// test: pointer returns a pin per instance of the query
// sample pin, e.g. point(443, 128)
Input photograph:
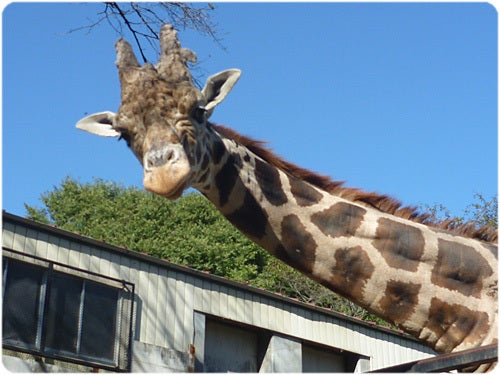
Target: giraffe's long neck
point(436, 286)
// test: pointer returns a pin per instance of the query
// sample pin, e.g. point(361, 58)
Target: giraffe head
point(163, 116)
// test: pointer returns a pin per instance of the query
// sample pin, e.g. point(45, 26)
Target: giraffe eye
point(125, 136)
point(199, 114)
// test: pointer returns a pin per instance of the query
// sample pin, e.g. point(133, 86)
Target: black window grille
point(62, 312)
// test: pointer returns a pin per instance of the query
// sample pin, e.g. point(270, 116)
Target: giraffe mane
point(381, 202)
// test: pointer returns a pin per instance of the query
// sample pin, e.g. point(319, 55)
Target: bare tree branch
point(142, 20)
point(134, 32)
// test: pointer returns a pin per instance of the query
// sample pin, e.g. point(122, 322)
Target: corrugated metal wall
point(166, 297)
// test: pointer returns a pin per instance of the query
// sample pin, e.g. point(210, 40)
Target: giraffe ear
point(99, 124)
point(218, 86)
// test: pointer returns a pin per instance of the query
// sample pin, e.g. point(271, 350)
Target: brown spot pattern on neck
point(401, 245)
point(298, 244)
point(351, 272)
point(461, 268)
point(455, 324)
point(341, 219)
point(269, 182)
point(400, 300)
point(380, 202)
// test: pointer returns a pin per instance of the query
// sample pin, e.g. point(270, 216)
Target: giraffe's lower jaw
point(167, 183)
point(177, 193)
point(169, 194)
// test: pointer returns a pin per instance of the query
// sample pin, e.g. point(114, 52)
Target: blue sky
point(398, 98)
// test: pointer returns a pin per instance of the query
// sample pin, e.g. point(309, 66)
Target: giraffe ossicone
point(436, 281)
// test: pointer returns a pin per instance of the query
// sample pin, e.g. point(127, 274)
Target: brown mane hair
point(380, 202)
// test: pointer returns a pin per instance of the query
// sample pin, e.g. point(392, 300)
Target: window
point(20, 313)
point(233, 347)
point(52, 312)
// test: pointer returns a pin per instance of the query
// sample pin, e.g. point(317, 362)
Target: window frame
point(124, 317)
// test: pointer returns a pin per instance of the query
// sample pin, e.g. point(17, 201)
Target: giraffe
point(435, 281)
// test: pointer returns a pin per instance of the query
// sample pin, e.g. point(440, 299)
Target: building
point(72, 303)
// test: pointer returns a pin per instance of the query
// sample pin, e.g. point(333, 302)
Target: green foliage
point(482, 212)
point(188, 231)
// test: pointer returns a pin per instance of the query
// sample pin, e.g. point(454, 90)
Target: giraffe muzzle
point(159, 157)
point(166, 171)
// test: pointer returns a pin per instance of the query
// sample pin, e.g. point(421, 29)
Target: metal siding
point(19, 238)
point(171, 319)
point(63, 251)
point(105, 263)
point(115, 269)
point(74, 255)
point(84, 259)
point(124, 268)
point(188, 323)
point(223, 302)
point(323, 328)
point(95, 259)
point(241, 307)
point(179, 311)
point(206, 295)
point(152, 298)
point(162, 309)
point(146, 279)
point(8, 230)
point(42, 244)
point(298, 325)
point(273, 318)
point(53, 247)
point(249, 307)
point(352, 340)
point(311, 333)
point(287, 318)
point(397, 352)
point(30, 242)
point(364, 344)
point(198, 295)
point(231, 303)
point(381, 350)
point(408, 353)
point(214, 307)
point(264, 314)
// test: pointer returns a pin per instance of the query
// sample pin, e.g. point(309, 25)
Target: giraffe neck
point(436, 286)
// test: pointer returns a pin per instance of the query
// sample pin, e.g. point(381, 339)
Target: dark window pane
point(62, 318)
point(99, 321)
point(21, 303)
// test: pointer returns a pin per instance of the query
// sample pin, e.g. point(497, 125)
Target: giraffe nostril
point(169, 155)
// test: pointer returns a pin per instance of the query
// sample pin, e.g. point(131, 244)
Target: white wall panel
point(53, 247)
point(19, 238)
point(187, 318)
point(30, 244)
point(179, 311)
point(74, 254)
point(8, 230)
point(42, 245)
point(63, 251)
point(162, 309)
point(171, 318)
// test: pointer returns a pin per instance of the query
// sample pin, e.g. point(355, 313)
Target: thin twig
point(141, 20)
point(129, 26)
